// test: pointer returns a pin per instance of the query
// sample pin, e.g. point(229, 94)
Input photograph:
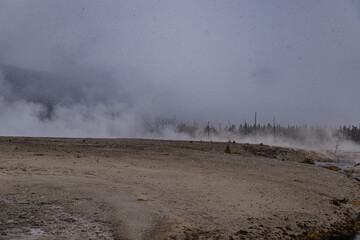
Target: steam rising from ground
point(76, 105)
point(41, 104)
point(111, 68)
point(36, 103)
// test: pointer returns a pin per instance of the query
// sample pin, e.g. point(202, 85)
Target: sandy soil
point(148, 189)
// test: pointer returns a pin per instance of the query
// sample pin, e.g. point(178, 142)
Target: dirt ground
point(150, 189)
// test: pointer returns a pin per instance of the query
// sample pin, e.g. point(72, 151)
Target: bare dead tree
point(208, 128)
point(255, 127)
point(274, 129)
point(336, 147)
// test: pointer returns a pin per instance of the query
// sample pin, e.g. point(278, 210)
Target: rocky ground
point(148, 189)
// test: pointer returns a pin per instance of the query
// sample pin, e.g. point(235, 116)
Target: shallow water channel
point(345, 164)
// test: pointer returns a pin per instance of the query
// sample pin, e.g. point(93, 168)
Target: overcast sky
point(198, 60)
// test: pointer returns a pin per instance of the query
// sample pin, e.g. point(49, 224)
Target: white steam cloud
point(40, 104)
point(111, 68)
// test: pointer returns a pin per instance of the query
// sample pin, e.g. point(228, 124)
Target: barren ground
point(147, 189)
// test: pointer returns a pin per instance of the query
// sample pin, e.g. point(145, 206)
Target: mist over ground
point(114, 68)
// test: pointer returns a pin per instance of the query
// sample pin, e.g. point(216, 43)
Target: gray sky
point(196, 60)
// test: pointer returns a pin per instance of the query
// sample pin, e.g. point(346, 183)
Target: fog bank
point(111, 68)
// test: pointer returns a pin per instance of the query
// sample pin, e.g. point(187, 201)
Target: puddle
point(357, 237)
point(35, 231)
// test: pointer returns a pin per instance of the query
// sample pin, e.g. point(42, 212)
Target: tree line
point(298, 133)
